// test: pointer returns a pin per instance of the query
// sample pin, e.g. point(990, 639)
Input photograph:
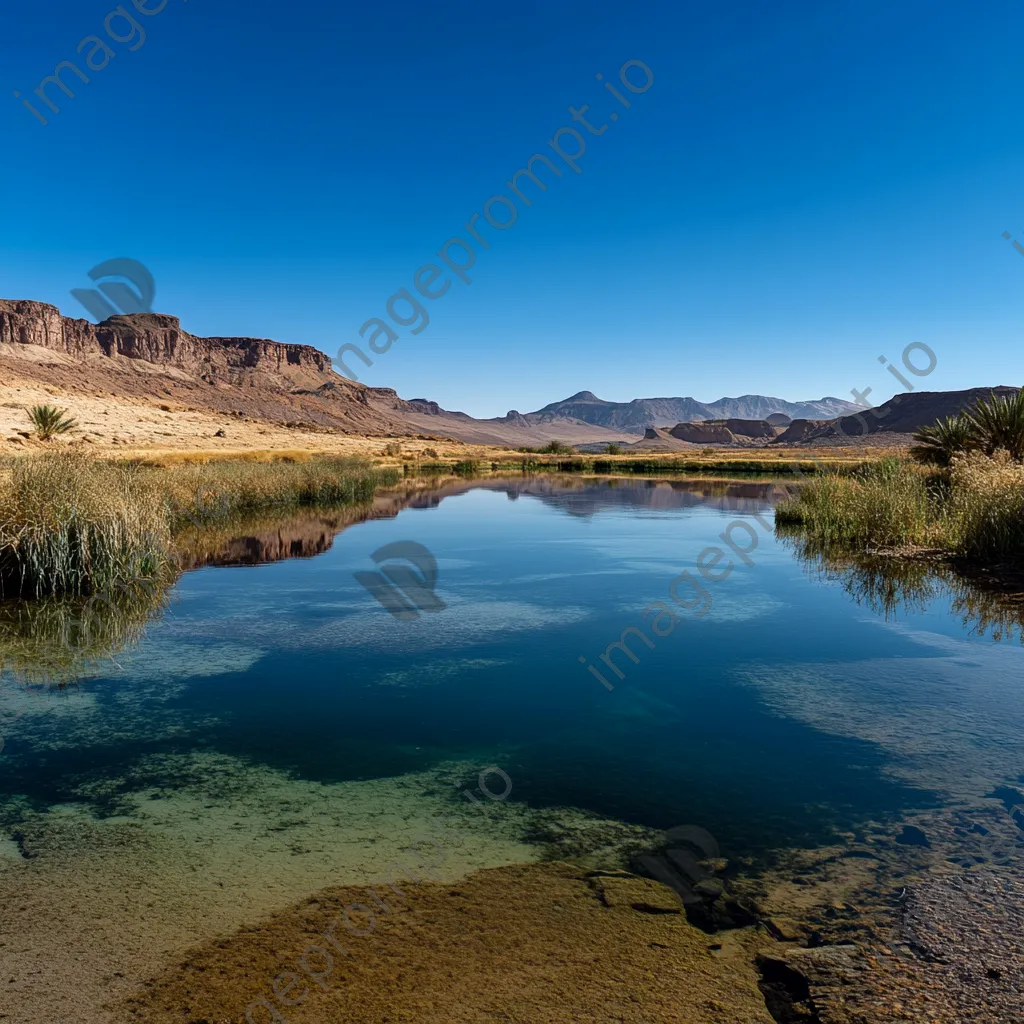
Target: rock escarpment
point(158, 339)
point(148, 357)
point(703, 433)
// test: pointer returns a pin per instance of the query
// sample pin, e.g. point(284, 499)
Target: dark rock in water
point(721, 914)
point(912, 836)
point(787, 994)
point(807, 986)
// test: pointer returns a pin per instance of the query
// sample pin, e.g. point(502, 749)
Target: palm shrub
point(997, 424)
point(945, 439)
point(48, 420)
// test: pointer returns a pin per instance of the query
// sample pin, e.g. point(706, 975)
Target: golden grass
point(986, 505)
point(71, 524)
point(975, 510)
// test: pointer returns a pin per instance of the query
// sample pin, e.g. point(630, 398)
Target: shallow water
point(775, 707)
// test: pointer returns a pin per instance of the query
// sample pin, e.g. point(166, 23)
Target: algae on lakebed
point(541, 943)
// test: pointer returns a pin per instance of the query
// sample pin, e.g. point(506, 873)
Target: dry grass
point(71, 524)
point(986, 505)
point(975, 510)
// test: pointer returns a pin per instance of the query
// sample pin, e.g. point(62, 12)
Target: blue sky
point(803, 188)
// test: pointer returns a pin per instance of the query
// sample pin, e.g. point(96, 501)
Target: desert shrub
point(614, 449)
point(430, 453)
point(555, 448)
point(986, 505)
point(48, 421)
point(393, 448)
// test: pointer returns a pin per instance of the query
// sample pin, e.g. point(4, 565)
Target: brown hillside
point(147, 359)
point(903, 414)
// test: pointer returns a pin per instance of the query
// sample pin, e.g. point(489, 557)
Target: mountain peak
point(583, 396)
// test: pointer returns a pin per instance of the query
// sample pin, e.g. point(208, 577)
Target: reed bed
point(986, 506)
point(975, 509)
point(71, 524)
point(209, 493)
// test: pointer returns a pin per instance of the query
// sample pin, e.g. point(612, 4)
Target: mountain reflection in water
point(57, 641)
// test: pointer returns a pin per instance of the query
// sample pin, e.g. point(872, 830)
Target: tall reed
point(73, 525)
point(973, 510)
point(70, 524)
point(883, 504)
point(986, 506)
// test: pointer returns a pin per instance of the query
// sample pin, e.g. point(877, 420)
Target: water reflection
point(60, 640)
point(57, 641)
point(889, 584)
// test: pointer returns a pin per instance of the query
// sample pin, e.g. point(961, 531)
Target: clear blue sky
point(804, 187)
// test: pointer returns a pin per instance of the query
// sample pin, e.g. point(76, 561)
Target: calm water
point(793, 706)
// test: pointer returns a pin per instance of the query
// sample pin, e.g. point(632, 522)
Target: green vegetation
point(940, 443)
point(48, 420)
point(551, 448)
point(614, 449)
point(994, 424)
point(975, 509)
point(68, 525)
point(71, 525)
point(998, 423)
point(214, 492)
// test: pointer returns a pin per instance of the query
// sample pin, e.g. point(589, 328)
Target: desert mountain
point(147, 359)
point(634, 417)
point(902, 414)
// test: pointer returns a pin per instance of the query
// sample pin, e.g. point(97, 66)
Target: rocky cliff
point(158, 339)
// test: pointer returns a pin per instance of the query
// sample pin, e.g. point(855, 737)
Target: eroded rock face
point(801, 430)
point(157, 338)
point(703, 433)
point(751, 428)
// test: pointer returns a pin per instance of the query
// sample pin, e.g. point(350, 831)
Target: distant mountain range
point(147, 358)
point(636, 416)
